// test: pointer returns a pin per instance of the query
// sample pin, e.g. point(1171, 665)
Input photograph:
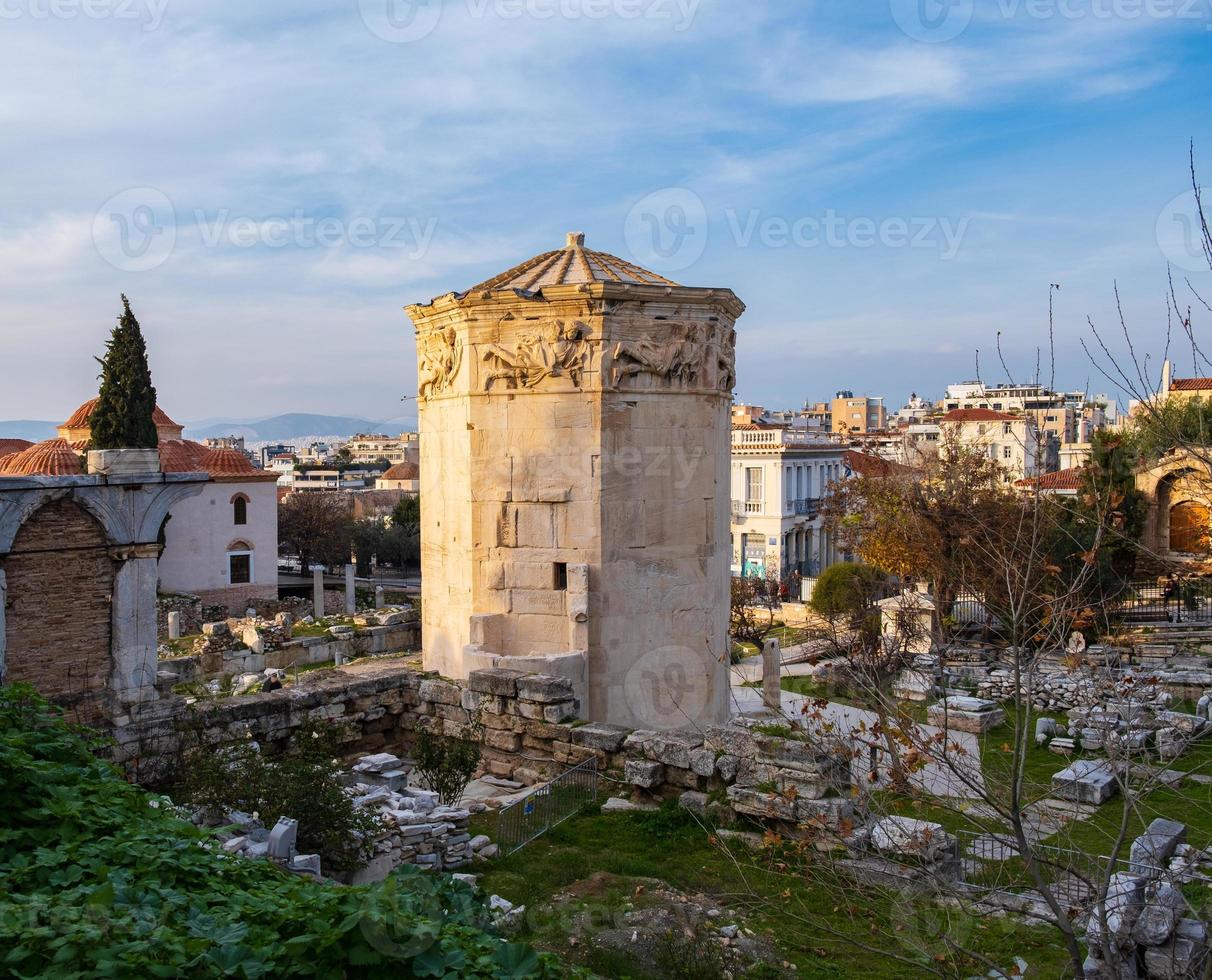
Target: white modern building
point(779, 478)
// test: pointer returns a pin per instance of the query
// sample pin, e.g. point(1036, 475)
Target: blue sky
point(887, 185)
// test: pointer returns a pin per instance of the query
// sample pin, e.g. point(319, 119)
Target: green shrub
point(301, 782)
point(847, 589)
point(447, 762)
point(103, 879)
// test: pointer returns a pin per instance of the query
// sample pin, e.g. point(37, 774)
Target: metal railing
point(1185, 600)
point(532, 816)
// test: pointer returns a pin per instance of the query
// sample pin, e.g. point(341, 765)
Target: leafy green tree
point(848, 589)
point(1101, 528)
point(123, 418)
point(1172, 423)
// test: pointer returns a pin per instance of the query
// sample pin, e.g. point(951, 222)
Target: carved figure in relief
point(438, 362)
point(679, 359)
point(558, 349)
point(725, 360)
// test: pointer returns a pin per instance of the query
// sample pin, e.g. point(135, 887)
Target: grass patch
point(796, 913)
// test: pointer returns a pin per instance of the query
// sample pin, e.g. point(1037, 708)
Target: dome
point(78, 426)
point(55, 457)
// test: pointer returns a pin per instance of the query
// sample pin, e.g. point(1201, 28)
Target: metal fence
point(1186, 600)
point(532, 816)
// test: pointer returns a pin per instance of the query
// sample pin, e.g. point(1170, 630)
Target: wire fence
point(532, 816)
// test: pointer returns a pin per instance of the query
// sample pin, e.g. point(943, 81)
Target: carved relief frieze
point(556, 349)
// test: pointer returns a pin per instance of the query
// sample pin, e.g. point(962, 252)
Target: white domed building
point(221, 545)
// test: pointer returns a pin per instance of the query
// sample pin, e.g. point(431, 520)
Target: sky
point(890, 186)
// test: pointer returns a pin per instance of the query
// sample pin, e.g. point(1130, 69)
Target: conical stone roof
point(572, 265)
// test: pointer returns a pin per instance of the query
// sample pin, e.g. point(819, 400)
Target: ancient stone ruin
point(574, 442)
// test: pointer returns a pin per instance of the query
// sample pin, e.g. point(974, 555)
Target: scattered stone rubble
point(415, 827)
point(1146, 929)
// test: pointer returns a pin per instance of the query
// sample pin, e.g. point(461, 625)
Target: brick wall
point(60, 580)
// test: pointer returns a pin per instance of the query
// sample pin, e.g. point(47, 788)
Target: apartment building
point(1015, 442)
point(779, 477)
point(857, 414)
point(369, 447)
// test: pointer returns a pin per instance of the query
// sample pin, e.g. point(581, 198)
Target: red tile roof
point(1067, 479)
point(1190, 384)
point(864, 464)
point(80, 417)
point(55, 457)
point(403, 471)
point(10, 446)
point(978, 415)
point(182, 456)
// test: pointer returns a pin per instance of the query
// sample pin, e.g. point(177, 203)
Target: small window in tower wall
point(561, 576)
point(239, 510)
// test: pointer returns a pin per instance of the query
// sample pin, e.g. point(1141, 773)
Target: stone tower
point(575, 483)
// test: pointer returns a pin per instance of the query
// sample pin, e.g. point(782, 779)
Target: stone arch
point(58, 615)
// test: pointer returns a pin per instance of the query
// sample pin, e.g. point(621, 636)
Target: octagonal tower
point(574, 419)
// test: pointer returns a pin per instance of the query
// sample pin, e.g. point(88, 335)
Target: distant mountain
point(31, 429)
point(294, 425)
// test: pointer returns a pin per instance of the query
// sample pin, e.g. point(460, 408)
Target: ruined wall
point(529, 735)
point(60, 579)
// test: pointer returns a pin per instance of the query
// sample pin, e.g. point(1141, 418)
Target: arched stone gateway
point(78, 556)
point(60, 580)
point(1178, 525)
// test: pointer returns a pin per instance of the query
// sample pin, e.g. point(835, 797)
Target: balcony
point(742, 507)
point(807, 507)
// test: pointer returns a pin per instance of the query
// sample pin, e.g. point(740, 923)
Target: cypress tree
point(123, 418)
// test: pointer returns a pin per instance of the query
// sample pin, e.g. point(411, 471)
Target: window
point(239, 508)
point(753, 484)
point(1005, 428)
point(1006, 452)
point(239, 569)
point(560, 576)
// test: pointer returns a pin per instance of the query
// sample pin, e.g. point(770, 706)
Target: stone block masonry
point(530, 734)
